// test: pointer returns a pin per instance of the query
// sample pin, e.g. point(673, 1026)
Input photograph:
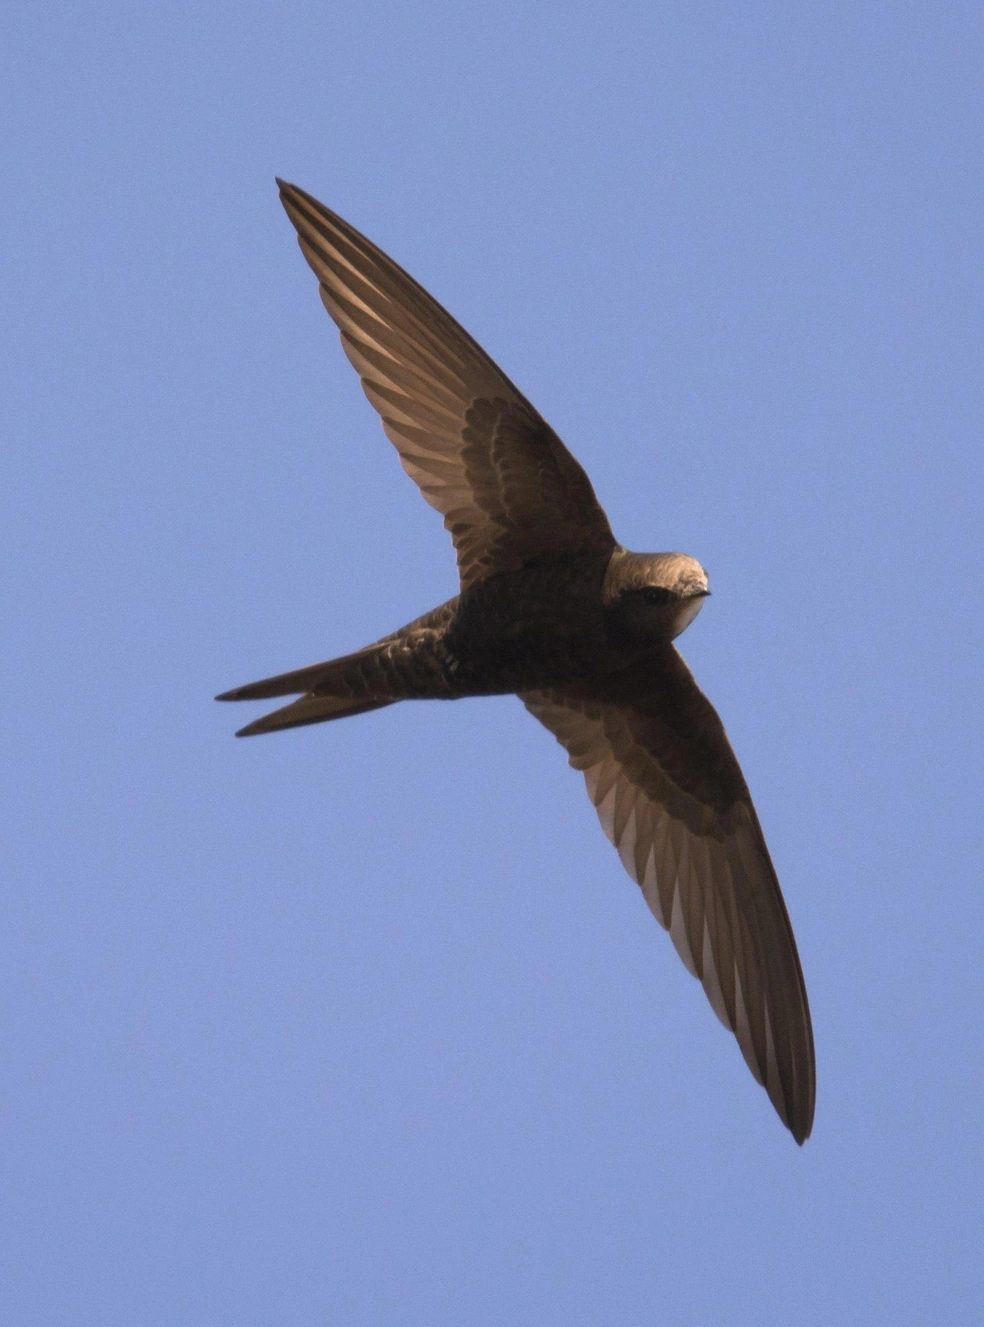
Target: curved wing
point(509, 490)
point(671, 797)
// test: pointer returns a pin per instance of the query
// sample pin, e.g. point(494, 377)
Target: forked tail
point(405, 665)
point(335, 689)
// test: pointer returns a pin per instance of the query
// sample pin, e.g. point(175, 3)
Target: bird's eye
point(655, 594)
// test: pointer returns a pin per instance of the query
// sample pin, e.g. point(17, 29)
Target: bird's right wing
point(671, 797)
point(509, 490)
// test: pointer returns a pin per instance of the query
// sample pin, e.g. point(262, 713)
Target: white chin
point(687, 614)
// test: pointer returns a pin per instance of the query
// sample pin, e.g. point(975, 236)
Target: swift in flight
point(553, 608)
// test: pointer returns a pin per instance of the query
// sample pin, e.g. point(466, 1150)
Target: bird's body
point(559, 623)
point(553, 609)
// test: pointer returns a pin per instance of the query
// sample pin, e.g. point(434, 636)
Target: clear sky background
point(364, 1023)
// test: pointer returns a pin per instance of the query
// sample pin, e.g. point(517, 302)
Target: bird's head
point(652, 597)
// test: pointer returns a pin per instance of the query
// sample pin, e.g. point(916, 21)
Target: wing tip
point(795, 1103)
point(801, 1128)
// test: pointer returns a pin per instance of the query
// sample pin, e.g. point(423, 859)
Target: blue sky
point(364, 1023)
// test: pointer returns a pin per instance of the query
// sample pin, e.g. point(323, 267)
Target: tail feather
point(397, 667)
point(352, 684)
point(309, 709)
point(315, 677)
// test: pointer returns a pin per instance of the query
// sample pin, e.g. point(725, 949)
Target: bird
point(551, 607)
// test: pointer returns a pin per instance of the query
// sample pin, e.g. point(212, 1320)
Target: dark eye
point(654, 594)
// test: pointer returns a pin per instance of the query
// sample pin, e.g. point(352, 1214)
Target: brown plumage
point(554, 609)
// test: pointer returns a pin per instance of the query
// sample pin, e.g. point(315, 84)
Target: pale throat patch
point(687, 614)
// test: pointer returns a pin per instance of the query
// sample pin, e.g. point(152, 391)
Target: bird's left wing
point(671, 797)
point(509, 490)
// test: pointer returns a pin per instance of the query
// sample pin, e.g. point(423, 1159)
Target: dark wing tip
point(795, 1097)
point(800, 1124)
point(800, 1101)
point(292, 193)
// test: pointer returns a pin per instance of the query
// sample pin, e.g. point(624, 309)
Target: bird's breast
point(537, 627)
